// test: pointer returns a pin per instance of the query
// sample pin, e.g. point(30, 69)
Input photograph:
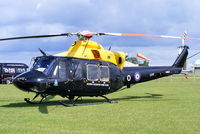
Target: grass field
point(158, 107)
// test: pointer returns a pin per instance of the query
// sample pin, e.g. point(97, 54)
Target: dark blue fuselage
point(67, 76)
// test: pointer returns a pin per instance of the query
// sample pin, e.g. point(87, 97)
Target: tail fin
point(180, 61)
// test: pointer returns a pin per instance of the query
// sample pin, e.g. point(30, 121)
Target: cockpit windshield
point(43, 64)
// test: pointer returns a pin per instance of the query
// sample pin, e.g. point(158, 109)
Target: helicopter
point(87, 69)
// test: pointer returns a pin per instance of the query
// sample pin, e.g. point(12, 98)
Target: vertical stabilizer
point(180, 61)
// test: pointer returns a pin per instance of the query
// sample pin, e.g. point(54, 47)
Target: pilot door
point(69, 75)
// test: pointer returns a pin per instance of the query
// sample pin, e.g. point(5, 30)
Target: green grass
point(163, 106)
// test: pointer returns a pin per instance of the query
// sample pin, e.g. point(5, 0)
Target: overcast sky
point(165, 17)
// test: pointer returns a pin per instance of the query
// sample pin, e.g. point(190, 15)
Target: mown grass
point(162, 106)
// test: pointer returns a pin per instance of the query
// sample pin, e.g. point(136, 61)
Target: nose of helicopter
point(31, 81)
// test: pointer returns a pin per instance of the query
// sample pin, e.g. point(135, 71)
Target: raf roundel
point(137, 76)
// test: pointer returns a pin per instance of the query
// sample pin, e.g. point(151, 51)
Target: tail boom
point(133, 75)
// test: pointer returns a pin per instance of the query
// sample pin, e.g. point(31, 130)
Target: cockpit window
point(42, 64)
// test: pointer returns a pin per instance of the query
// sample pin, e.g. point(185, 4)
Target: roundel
point(137, 76)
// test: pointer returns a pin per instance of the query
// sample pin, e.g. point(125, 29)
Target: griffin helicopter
point(87, 69)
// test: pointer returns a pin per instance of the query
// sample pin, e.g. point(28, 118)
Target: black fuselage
point(67, 76)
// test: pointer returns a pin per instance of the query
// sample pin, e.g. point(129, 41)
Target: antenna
point(44, 54)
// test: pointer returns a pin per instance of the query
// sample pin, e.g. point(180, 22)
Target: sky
point(159, 17)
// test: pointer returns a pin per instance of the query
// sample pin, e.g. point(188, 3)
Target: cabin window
point(95, 73)
point(104, 73)
point(92, 72)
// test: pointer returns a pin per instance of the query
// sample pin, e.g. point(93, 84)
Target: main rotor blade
point(90, 34)
point(37, 36)
point(149, 35)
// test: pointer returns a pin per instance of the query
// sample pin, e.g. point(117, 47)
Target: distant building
point(196, 66)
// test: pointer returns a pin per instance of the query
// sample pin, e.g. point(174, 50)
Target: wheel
point(8, 81)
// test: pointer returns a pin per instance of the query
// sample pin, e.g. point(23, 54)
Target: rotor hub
point(85, 35)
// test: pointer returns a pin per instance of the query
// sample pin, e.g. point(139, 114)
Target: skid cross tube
point(32, 101)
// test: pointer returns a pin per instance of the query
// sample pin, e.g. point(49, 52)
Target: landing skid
point(32, 101)
point(108, 101)
point(74, 101)
point(84, 104)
